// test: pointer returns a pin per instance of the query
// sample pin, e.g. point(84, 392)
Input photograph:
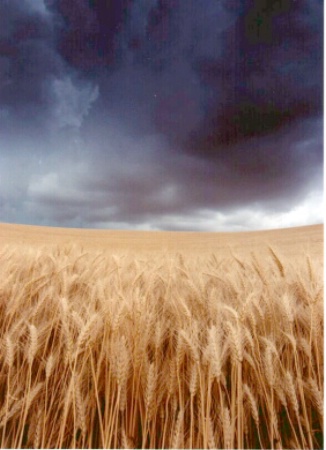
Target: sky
point(185, 115)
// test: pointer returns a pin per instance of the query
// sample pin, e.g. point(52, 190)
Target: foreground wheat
point(159, 352)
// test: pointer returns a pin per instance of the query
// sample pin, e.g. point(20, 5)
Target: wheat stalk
point(33, 344)
point(290, 390)
point(87, 331)
point(210, 434)
point(81, 412)
point(227, 429)
point(193, 382)
point(10, 351)
point(49, 366)
point(316, 396)
point(150, 390)
point(177, 434)
point(197, 352)
point(278, 262)
point(252, 403)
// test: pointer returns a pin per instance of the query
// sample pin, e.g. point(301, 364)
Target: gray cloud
point(154, 190)
point(153, 114)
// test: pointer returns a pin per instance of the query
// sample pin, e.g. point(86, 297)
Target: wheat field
point(103, 349)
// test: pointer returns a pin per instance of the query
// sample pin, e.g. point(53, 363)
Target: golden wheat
point(113, 351)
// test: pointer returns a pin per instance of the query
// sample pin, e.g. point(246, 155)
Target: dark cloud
point(27, 58)
point(145, 112)
point(258, 62)
point(270, 71)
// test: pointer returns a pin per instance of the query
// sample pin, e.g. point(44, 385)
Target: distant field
point(161, 340)
point(290, 241)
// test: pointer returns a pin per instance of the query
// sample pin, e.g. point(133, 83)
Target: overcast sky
point(161, 114)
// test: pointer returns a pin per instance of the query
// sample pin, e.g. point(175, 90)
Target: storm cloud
point(164, 114)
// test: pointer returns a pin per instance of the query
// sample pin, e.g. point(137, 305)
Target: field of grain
point(103, 348)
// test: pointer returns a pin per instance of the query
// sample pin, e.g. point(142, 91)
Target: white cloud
point(56, 189)
point(307, 212)
point(253, 217)
point(4, 113)
point(48, 183)
point(72, 103)
point(37, 6)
